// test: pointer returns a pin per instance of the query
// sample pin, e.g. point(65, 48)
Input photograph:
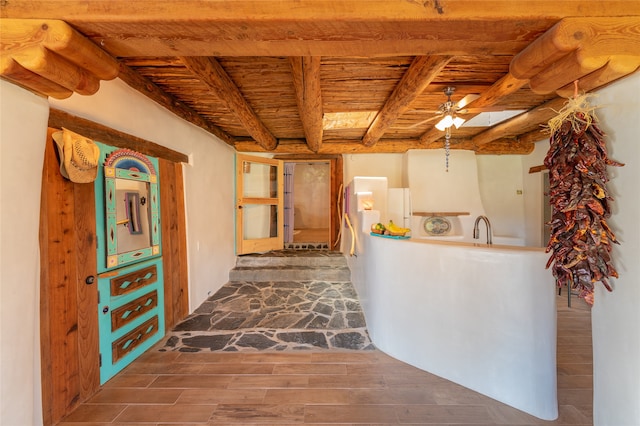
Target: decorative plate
point(437, 225)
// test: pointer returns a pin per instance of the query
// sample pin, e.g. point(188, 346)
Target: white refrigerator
point(399, 206)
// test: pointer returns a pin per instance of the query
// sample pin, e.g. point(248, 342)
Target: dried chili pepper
point(580, 238)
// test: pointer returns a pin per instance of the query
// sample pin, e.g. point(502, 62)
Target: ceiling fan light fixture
point(458, 121)
point(446, 122)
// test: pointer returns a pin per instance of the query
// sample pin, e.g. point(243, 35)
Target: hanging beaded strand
point(447, 136)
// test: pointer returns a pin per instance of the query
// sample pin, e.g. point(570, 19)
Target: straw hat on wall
point(79, 156)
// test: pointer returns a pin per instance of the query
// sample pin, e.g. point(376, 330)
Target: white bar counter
point(480, 316)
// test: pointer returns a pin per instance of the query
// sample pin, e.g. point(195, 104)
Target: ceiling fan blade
point(481, 110)
point(419, 123)
point(425, 111)
point(467, 100)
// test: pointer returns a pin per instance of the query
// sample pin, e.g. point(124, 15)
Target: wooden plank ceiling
point(261, 75)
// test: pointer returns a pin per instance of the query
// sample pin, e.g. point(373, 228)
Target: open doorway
point(307, 204)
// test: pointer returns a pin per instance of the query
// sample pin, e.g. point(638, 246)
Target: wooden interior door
point(259, 204)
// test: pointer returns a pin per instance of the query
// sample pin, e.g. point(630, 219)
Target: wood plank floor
point(325, 387)
point(311, 235)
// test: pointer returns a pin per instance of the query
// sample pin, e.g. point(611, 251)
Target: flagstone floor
point(274, 315)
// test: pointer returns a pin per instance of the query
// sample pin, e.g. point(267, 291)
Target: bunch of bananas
point(390, 229)
point(395, 229)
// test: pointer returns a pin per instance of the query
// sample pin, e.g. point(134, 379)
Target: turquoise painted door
point(130, 276)
point(130, 314)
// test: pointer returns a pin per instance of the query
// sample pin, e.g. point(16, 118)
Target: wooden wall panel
point(174, 242)
point(68, 306)
point(87, 289)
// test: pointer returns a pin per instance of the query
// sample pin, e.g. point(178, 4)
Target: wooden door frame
point(336, 165)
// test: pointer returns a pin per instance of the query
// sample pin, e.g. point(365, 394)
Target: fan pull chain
point(447, 136)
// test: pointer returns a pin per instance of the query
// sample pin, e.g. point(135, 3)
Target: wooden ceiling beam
point(156, 94)
point(313, 10)
point(533, 136)
point(420, 74)
point(313, 27)
point(210, 72)
point(503, 147)
point(576, 47)
point(306, 81)
point(51, 58)
point(509, 146)
point(613, 70)
point(507, 85)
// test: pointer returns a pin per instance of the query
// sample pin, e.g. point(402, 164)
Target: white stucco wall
point(378, 165)
point(500, 179)
point(23, 131)
point(208, 179)
point(616, 315)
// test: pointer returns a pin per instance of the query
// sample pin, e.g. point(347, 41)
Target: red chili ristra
point(581, 239)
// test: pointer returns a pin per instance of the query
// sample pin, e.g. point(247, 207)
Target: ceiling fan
point(448, 111)
point(448, 114)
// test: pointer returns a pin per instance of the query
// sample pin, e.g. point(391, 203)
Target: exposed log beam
point(156, 94)
point(216, 78)
point(503, 147)
point(313, 27)
point(397, 146)
point(577, 47)
point(534, 136)
point(515, 125)
point(315, 10)
point(306, 81)
point(49, 57)
point(420, 74)
point(431, 136)
point(507, 85)
point(612, 71)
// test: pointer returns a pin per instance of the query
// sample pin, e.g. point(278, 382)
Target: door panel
point(131, 314)
point(259, 204)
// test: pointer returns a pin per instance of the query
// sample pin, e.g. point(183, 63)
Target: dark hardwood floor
point(325, 387)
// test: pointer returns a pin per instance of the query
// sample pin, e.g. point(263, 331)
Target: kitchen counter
point(478, 315)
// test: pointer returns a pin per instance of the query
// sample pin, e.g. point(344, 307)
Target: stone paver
point(276, 315)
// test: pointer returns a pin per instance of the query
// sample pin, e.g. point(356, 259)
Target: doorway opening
point(307, 220)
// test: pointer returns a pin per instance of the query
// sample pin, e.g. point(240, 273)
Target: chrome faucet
point(476, 230)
